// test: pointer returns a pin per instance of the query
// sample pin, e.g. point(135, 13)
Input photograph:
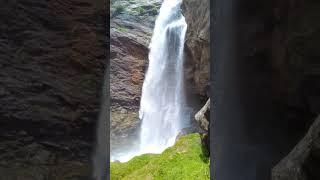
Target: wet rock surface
point(266, 100)
point(276, 81)
point(52, 57)
point(124, 128)
point(131, 32)
point(197, 64)
point(197, 68)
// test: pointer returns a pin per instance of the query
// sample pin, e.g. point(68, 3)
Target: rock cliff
point(197, 69)
point(197, 63)
point(52, 56)
point(277, 74)
point(279, 66)
point(275, 89)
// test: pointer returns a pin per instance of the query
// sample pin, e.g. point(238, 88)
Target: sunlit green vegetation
point(186, 160)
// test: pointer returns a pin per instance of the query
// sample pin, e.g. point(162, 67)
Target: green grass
point(185, 160)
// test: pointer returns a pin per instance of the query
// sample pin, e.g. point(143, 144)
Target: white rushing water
point(162, 101)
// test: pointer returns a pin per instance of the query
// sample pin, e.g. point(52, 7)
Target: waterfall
point(162, 100)
point(162, 106)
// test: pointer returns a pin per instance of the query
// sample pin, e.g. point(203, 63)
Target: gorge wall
point(197, 47)
point(197, 60)
point(278, 76)
point(52, 63)
point(274, 96)
point(279, 66)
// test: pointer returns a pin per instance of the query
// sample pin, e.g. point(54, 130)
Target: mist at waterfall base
point(163, 109)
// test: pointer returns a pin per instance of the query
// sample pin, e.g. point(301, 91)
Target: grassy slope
point(185, 160)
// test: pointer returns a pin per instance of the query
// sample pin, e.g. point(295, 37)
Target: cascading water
point(162, 106)
point(162, 100)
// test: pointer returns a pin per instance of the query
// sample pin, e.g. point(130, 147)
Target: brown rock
point(129, 57)
point(52, 57)
point(136, 77)
point(197, 15)
point(202, 117)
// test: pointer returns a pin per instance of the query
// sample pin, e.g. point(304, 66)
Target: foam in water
point(162, 106)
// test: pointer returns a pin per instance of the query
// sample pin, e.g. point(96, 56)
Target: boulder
point(302, 163)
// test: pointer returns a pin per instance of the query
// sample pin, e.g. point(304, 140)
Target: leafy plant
point(154, 10)
point(119, 8)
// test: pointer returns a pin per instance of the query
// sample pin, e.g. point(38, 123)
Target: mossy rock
point(187, 159)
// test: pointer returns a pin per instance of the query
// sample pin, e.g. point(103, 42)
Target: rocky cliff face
point(197, 65)
point(52, 56)
point(276, 82)
point(278, 67)
point(295, 60)
point(197, 72)
point(131, 31)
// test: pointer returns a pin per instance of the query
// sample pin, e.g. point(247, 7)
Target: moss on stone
point(140, 10)
point(122, 29)
point(185, 160)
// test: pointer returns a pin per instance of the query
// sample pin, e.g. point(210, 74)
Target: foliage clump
point(154, 11)
point(119, 8)
point(140, 10)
